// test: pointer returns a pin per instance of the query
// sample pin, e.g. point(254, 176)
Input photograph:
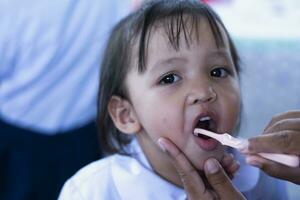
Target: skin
point(282, 135)
point(165, 108)
point(194, 186)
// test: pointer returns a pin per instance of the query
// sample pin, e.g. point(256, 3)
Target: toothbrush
point(240, 144)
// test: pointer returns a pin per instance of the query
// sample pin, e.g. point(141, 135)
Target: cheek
point(159, 121)
point(229, 99)
point(232, 106)
point(235, 115)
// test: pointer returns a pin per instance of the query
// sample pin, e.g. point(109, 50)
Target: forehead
point(186, 35)
point(200, 38)
point(177, 30)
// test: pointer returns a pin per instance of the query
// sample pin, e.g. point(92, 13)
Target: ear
point(123, 115)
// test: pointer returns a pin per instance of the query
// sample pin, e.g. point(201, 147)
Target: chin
point(199, 160)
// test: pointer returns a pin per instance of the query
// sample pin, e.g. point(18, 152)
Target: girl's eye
point(219, 72)
point(169, 79)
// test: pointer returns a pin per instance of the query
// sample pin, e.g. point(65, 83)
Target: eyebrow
point(212, 56)
point(166, 62)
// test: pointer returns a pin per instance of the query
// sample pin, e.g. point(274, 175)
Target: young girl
point(169, 68)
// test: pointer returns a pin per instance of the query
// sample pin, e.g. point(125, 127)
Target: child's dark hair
point(132, 34)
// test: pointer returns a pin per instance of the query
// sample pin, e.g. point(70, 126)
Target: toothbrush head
point(224, 139)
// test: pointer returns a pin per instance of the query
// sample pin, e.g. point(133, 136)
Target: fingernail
point(161, 144)
point(253, 161)
point(244, 150)
point(211, 166)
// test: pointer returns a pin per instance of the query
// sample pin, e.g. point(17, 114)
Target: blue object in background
point(270, 84)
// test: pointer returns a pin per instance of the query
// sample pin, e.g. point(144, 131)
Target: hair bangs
point(180, 23)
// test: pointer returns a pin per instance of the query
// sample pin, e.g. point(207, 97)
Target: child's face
point(178, 89)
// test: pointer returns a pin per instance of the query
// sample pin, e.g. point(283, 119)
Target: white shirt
point(50, 55)
point(123, 177)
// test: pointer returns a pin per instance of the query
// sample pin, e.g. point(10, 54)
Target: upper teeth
point(204, 119)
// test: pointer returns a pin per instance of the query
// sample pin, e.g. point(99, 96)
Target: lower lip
point(207, 144)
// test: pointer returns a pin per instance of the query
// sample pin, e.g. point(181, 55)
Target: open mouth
point(206, 123)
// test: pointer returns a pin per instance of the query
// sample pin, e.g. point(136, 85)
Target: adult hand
point(282, 135)
point(195, 188)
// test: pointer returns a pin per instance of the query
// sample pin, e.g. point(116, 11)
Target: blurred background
point(267, 34)
point(50, 52)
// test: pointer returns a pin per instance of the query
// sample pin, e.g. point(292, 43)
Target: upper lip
point(206, 113)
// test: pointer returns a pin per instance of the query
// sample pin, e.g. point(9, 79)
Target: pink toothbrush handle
point(289, 160)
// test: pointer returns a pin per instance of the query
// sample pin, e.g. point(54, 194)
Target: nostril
point(203, 96)
point(204, 99)
point(211, 98)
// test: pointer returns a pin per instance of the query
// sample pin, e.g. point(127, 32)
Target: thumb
point(219, 181)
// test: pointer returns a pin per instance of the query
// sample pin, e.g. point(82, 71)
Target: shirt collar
point(133, 176)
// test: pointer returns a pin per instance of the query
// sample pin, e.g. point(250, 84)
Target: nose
point(204, 94)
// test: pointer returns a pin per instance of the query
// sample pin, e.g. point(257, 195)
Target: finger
point(220, 181)
point(280, 142)
point(274, 169)
point(230, 165)
point(190, 178)
point(285, 115)
point(232, 169)
point(284, 124)
point(227, 160)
